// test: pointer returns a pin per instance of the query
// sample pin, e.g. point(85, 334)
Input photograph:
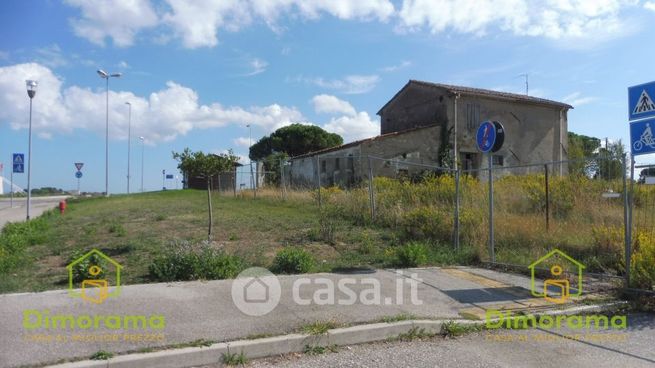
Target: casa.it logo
point(96, 275)
point(557, 287)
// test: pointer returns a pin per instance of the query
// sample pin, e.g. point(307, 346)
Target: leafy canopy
point(199, 164)
point(294, 140)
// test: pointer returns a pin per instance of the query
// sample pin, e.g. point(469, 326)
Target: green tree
point(199, 164)
point(272, 167)
point(294, 140)
point(582, 153)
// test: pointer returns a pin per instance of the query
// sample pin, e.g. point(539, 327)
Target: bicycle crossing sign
point(640, 101)
point(642, 140)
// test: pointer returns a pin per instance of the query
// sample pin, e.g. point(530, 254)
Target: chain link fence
point(581, 207)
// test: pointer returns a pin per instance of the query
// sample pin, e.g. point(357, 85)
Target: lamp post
point(129, 142)
point(103, 74)
point(142, 155)
point(31, 92)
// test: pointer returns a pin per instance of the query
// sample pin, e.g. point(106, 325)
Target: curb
point(293, 343)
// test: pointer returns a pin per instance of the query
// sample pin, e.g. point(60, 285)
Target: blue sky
point(197, 72)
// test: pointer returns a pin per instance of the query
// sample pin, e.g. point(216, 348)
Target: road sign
point(78, 174)
point(640, 101)
point(490, 136)
point(79, 165)
point(169, 176)
point(642, 140)
point(19, 163)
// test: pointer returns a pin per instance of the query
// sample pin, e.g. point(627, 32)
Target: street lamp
point(129, 143)
point(103, 74)
point(31, 92)
point(142, 153)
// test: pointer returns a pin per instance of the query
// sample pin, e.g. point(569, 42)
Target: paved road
point(205, 310)
point(18, 211)
point(507, 348)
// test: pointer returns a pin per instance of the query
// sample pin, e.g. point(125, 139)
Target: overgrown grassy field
point(162, 236)
point(138, 229)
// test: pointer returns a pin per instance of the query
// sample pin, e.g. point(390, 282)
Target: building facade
point(435, 124)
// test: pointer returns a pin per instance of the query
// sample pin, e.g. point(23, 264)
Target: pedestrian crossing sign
point(640, 101)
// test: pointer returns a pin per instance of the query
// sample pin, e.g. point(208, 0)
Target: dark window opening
point(472, 116)
point(323, 166)
point(337, 164)
point(498, 160)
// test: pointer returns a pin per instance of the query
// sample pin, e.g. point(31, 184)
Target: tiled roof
point(484, 93)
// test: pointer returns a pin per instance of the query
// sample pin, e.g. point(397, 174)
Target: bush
point(81, 269)
point(292, 260)
point(643, 261)
point(411, 255)
point(16, 237)
point(188, 263)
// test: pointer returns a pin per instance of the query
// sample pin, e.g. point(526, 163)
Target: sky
point(197, 72)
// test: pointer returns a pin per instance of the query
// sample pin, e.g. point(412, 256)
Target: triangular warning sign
point(644, 104)
point(18, 159)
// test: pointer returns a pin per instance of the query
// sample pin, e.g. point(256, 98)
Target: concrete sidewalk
point(205, 310)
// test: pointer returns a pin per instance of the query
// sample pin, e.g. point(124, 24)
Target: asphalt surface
point(632, 347)
point(205, 310)
point(18, 211)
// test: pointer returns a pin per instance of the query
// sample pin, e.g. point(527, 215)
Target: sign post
point(78, 175)
point(641, 116)
point(18, 166)
point(489, 139)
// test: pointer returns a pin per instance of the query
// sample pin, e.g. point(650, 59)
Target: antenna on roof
point(526, 82)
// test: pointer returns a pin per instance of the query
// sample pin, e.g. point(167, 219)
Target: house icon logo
point(256, 291)
point(93, 273)
point(557, 287)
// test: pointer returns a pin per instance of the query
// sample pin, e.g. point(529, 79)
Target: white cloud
point(576, 99)
point(51, 56)
point(161, 116)
point(392, 68)
point(554, 19)
point(353, 128)
point(242, 141)
point(331, 104)
point(119, 20)
point(650, 5)
point(123, 65)
point(258, 66)
point(351, 84)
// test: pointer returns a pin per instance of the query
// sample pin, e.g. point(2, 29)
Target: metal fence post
point(492, 253)
point(628, 200)
point(547, 197)
point(371, 195)
point(284, 187)
point(456, 220)
point(628, 251)
point(318, 180)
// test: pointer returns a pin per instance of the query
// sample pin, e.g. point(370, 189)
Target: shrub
point(643, 261)
point(16, 237)
point(292, 260)
point(80, 270)
point(185, 263)
point(411, 255)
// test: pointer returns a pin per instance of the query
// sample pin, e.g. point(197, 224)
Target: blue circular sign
point(486, 136)
point(78, 174)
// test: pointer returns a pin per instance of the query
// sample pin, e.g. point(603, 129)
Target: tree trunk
point(209, 207)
